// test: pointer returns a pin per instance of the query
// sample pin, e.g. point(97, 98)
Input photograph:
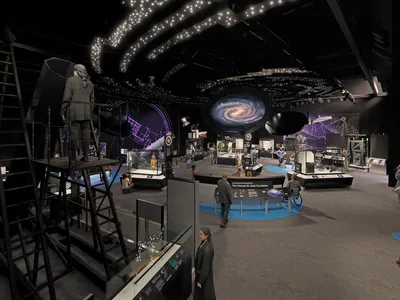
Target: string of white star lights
point(226, 18)
point(181, 15)
point(142, 10)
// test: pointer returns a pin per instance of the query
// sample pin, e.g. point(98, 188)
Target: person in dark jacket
point(204, 289)
point(225, 198)
point(397, 176)
point(77, 107)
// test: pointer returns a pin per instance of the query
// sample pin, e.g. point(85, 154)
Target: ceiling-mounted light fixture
point(320, 100)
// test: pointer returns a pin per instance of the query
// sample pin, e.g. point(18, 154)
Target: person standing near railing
point(77, 108)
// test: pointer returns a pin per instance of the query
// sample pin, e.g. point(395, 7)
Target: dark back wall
point(367, 115)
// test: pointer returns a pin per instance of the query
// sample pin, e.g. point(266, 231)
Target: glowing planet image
point(236, 112)
point(275, 193)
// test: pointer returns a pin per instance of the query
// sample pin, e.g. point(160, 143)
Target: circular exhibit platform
point(279, 170)
point(396, 235)
point(253, 212)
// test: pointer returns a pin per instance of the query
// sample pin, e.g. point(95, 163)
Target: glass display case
point(151, 272)
point(145, 162)
point(195, 148)
point(327, 161)
point(226, 152)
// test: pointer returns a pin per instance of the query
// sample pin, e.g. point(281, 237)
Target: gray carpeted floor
point(338, 247)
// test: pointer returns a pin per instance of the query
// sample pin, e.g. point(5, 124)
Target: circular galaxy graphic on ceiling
point(237, 111)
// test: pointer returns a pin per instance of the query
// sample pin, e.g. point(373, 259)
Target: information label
point(154, 287)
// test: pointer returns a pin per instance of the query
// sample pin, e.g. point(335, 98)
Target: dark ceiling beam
point(337, 12)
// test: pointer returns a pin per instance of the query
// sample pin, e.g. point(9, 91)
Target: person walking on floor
point(214, 155)
point(346, 156)
point(225, 198)
point(204, 289)
point(397, 176)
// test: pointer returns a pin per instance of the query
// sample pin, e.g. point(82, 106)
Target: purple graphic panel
point(148, 125)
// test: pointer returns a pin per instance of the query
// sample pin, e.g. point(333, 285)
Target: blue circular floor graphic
point(252, 212)
point(396, 235)
point(277, 169)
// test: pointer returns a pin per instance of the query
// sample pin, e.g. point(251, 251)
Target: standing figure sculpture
point(77, 108)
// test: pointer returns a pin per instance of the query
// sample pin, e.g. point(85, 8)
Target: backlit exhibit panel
point(236, 112)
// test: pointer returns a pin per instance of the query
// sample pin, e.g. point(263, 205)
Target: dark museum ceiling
point(234, 38)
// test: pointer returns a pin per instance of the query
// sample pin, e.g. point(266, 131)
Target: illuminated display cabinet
point(146, 168)
point(226, 152)
point(321, 167)
point(329, 161)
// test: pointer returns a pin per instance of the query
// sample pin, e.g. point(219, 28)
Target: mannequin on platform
point(79, 94)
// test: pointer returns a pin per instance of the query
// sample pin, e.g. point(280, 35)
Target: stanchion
point(120, 138)
point(69, 135)
point(266, 206)
point(99, 131)
point(33, 132)
point(48, 133)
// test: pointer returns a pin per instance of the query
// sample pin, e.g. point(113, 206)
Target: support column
point(393, 116)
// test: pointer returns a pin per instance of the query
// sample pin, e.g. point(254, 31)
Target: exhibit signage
point(168, 141)
point(155, 286)
point(252, 184)
point(248, 139)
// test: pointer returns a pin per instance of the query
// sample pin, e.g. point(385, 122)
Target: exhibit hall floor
point(339, 246)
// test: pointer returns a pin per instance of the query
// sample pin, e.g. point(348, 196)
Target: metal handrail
point(48, 126)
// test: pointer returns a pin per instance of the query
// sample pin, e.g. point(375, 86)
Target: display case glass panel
point(226, 149)
point(154, 264)
point(327, 161)
point(145, 162)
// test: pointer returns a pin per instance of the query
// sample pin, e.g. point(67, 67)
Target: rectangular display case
point(159, 271)
point(146, 168)
point(226, 152)
point(321, 167)
point(195, 148)
point(328, 161)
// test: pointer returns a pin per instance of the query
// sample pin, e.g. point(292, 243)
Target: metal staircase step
point(11, 132)
point(9, 95)
point(6, 73)
point(31, 272)
point(7, 83)
point(112, 248)
point(5, 52)
point(24, 237)
point(9, 106)
point(13, 159)
point(12, 145)
point(19, 188)
point(17, 173)
point(19, 257)
point(22, 220)
point(116, 261)
point(10, 119)
point(21, 203)
point(6, 62)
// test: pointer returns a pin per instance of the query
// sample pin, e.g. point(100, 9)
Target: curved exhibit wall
point(237, 111)
point(149, 123)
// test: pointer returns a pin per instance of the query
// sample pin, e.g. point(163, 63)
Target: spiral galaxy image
point(238, 111)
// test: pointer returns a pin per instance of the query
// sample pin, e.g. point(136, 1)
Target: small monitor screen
point(124, 151)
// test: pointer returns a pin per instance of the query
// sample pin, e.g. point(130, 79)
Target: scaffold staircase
point(23, 248)
point(96, 202)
